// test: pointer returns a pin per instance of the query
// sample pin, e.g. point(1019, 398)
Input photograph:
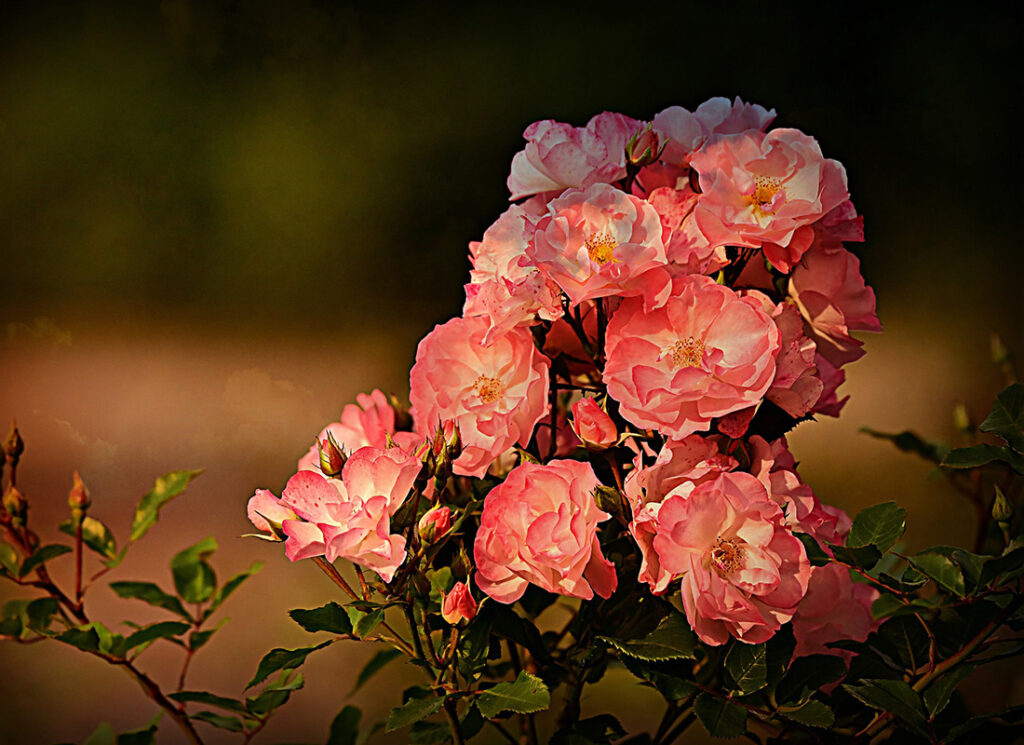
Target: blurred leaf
point(807, 674)
point(166, 488)
point(331, 617)
point(8, 558)
point(893, 696)
point(507, 624)
point(720, 718)
point(471, 723)
point(1000, 569)
point(880, 526)
point(904, 639)
point(942, 569)
point(600, 730)
point(673, 687)
point(282, 659)
point(429, 733)
point(780, 650)
point(198, 639)
point(526, 694)
point(194, 579)
point(1012, 715)
point(39, 614)
point(87, 637)
point(230, 586)
point(977, 456)
point(42, 555)
point(231, 724)
point(144, 736)
point(345, 727)
point(412, 711)
point(102, 735)
point(275, 694)
point(210, 699)
point(375, 664)
point(815, 553)
point(746, 665)
point(864, 557)
point(95, 535)
point(910, 442)
point(813, 714)
point(151, 593)
point(153, 632)
point(1007, 417)
point(937, 695)
point(671, 640)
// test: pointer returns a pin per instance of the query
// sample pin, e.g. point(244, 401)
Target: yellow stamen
point(726, 556)
point(488, 389)
point(763, 199)
point(688, 352)
point(600, 247)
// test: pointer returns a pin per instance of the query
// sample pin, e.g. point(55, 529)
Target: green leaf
point(39, 614)
point(893, 696)
point(999, 569)
point(429, 733)
point(376, 663)
point(807, 674)
point(210, 699)
point(194, 579)
point(282, 659)
point(671, 640)
point(909, 442)
point(91, 637)
point(166, 488)
point(198, 639)
point(524, 695)
point(747, 667)
point(813, 714)
point(363, 624)
point(720, 718)
point(8, 559)
point(600, 730)
point(231, 724)
point(674, 685)
point(864, 557)
point(153, 632)
point(230, 586)
point(345, 727)
point(331, 617)
point(1007, 417)
point(880, 526)
point(412, 711)
point(151, 593)
point(275, 694)
point(42, 555)
point(144, 736)
point(942, 569)
point(102, 735)
point(471, 723)
point(95, 535)
point(977, 456)
point(937, 695)
point(815, 553)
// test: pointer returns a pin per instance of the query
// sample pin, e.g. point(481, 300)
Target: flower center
point(488, 389)
point(768, 195)
point(600, 247)
point(688, 352)
point(726, 556)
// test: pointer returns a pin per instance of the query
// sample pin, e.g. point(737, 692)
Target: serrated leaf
point(42, 555)
point(345, 727)
point(720, 718)
point(864, 557)
point(230, 586)
point(231, 724)
point(812, 714)
point(166, 488)
point(412, 711)
point(526, 694)
point(151, 593)
point(671, 640)
point(807, 674)
point(282, 659)
point(331, 617)
point(942, 569)
point(747, 667)
point(194, 578)
point(95, 535)
point(1006, 418)
point(893, 696)
point(815, 553)
point(8, 558)
point(672, 687)
point(210, 699)
point(153, 632)
point(936, 696)
point(977, 456)
point(373, 666)
point(879, 526)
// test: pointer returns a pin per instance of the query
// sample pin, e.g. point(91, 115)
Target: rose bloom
point(458, 605)
point(686, 247)
point(765, 190)
point(592, 425)
point(832, 377)
point(705, 353)
point(683, 132)
point(540, 526)
point(832, 296)
point(599, 242)
point(742, 570)
point(835, 609)
point(494, 393)
point(558, 156)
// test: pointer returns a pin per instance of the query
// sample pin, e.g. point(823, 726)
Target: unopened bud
point(453, 444)
point(16, 505)
point(332, 456)
point(78, 498)
point(435, 523)
point(458, 605)
point(961, 419)
point(643, 147)
point(592, 425)
point(403, 419)
point(1002, 509)
point(14, 446)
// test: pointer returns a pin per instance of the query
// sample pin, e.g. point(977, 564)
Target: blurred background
point(219, 221)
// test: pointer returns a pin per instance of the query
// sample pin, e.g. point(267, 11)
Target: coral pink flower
point(743, 571)
point(495, 394)
point(599, 242)
point(540, 526)
point(686, 247)
point(592, 425)
point(264, 508)
point(832, 377)
point(505, 286)
point(704, 354)
point(830, 291)
point(369, 421)
point(835, 609)
point(435, 523)
point(761, 189)
point(683, 132)
point(458, 605)
point(558, 156)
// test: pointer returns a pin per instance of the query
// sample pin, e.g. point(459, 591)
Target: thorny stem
point(502, 730)
point(602, 324)
point(450, 712)
point(78, 562)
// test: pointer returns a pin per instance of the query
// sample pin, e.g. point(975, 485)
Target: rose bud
point(16, 505)
point(78, 498)
point(643, 148)
point(458, 605)
point(592, 425)
point(332, 456)
point(435, 523)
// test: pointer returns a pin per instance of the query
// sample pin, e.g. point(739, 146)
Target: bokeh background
point(219, 221)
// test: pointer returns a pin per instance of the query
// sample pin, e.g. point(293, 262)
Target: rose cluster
point(660, 304)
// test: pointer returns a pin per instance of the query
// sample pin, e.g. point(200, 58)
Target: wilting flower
point(494, 393)
point(540, 526)
point(835, 609)
point(458, 605)
point(592, 425)
point(705, 353)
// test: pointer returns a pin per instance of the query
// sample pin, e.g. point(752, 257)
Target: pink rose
point(435, 523)
point(760, 190)
point(592, 425)
point(494, 393)
point(706, 353)
point(458, 605)
point(742, 571)
point(832, 377)
point(540, 526)
point(686, 247)
point(559, 156)
point(835, 609)
point(683, 132)
point(264, 508)
point(600, 242)
point(831, 293)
